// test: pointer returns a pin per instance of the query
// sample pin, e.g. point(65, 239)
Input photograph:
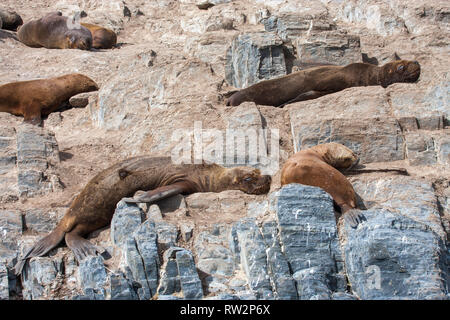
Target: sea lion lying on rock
point(55, 32)
point(10, 20)
point(316, 82)
point(35, 98)
point(102, 38)
point(94, 207)
point(316, 166)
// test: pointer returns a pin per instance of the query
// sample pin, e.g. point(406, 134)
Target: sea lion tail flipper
point(234, 98)
point(32, 115)
point(80, 247)
point(354, 217)
point(158, 194)
point(41, 248)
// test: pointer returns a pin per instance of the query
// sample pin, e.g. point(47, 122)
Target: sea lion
point(94, 207)
point(55, 32)
point(316, 166)
point(102, 38)
point(35, 98)
point(10, 20)
point(315, 82)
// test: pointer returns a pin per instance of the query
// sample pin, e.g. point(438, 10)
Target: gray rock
point(154, 213)
point(172, 203)
point(205, 4)
point(81, 100)
point(186, 231)
point(393, 256)
point(312, 284)
point(126, 219)
point(233, 243)
point(413, 197)
point(223, 296)
point(308, 235)
point(9, 190)
point(136, 269)
point(191, 285)
point(37, 151)
point(92, 277)
point(142, 260)
point(254, 57)
point(167, 235)
point(90, 294)
point(146, 244)
point(120, 288)
point(253, 258)
point(331, 47)
point(212, 256)
point(10, 229)
point(377, 139)
point(43, 275)
point(4, 284)
point(167, 297)
point(291, 26)
point(420, 149)
point(443, 149)
point(170, 282)
point(42, 221)
point(427, 106)
point(8, 152)
point(278, 266)
point(343, 296)
point(307, 226)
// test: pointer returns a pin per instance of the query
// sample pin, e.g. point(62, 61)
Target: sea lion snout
point(413, 72)
point(250, 180)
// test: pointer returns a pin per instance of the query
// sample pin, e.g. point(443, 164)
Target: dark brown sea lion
point(35, 98)
point(102, 38)
point(317, 165)
point(10, 20)
point(55, 32)
point(94, 207)
point(315, 82)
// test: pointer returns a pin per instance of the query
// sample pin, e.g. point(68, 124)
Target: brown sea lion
point(315, 82)
point(55, 32)
point(102, 38)
point(10, 20)
point(94, 207)
point(35, 98)
point(316, 167)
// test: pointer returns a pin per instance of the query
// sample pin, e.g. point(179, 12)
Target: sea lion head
point(399, 71)
point(83, 81)
point(249, 180)
point(336, 155)
point(11, 20)
point(77, 40)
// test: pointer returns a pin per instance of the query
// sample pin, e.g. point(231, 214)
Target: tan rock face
point(168, 78)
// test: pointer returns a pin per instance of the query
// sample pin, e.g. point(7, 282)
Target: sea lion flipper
point(80, 247)
point(40, 248)
point(32, 114)
point(354, 217)
point(158, 194)
point(306, 96)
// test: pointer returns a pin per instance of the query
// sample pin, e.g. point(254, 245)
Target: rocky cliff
point(166, 81)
